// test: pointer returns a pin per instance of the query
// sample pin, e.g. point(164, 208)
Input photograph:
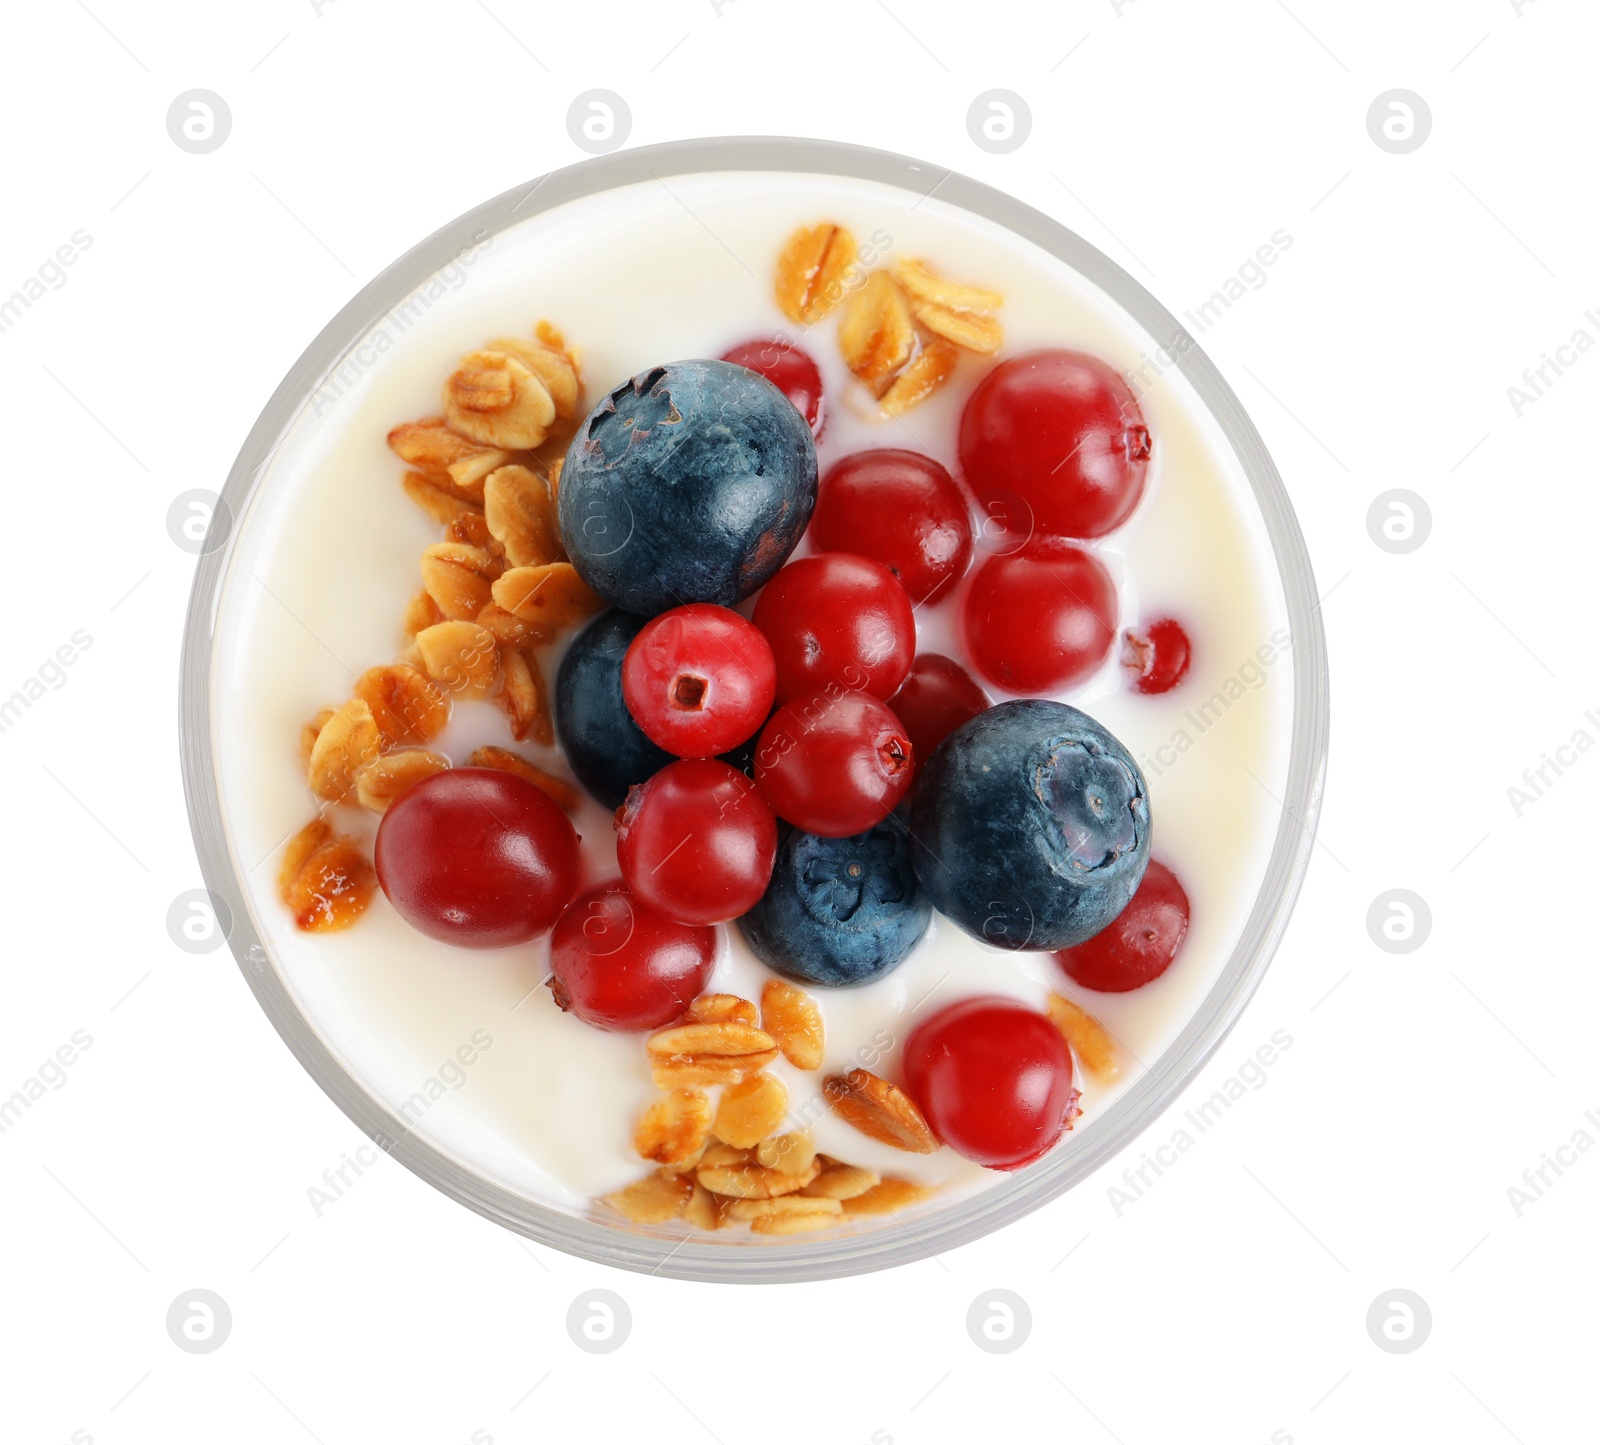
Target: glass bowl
point(335, 361)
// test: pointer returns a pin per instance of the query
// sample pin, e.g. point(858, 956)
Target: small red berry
point(617, 963)
point(835, 618)
point(1041, 619)
point(902, 509)
point(697, 841)
point(1158, 656)
point(834, 764)
point(477, 857)
point(789, 369)
point(934, 700)
point(698, 680)
point(1141, 942)
point(1061, 434)
point(993, 1078)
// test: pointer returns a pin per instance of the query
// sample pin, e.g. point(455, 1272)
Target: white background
point(1229, 1303)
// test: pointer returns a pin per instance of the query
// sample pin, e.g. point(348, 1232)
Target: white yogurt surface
point(327, 556)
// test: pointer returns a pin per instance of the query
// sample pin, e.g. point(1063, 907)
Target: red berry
point(698, 680)
point(834, 764)
point(477, 857)
point(789, 369)
point(993, 1078)
point(902, 509)
point(934, 700)
point(618, 964)
point(838, 619)
point(697, 841)
point(1062, 433)
point(1142, 941)
point(1041, 619)
point(1158, 657)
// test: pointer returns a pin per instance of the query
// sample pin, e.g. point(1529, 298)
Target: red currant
point(1140, 944)
point(835, 618)
point(618, 964)
point(834, 764)
point(902, 509)
point(993, 1078)
point(697, 841)
point(698, 680)
point(789, 369)
point(1158, 656)
point(1041, 619)
point(934, 700)
point(477, 857)
point(1062, 433)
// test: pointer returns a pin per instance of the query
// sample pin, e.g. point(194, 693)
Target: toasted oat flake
point(784, 1204)
point(433, 448)
point(792, 1017)
point(1086, 1036)
point(505, 761)
point(713, 1008)
point(461, 656)
point(920, 280)
point(674, 1128)
point(551, 597)
point(520, 513)
point(750, 1110)
point(655, 1199)
point(880, 1110)
point(458, 578)
point(344, 744)
point(753, 1181)
point(443, 504)
point(421, 611)
point(708, 1053)
point(971, 333)
point(496, 400)
point(523, 697)
point(876, 334)
point(324, 879)
point(792, 1152)
point(407, 705)
point(308, 736)
point(551, 365)
point(842, 1181)
point(935, 365)
point(706, 1210)
point(382, 781)
point(886, 1197)
point(815, 269)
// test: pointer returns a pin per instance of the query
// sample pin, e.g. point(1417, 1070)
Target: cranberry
point(1040, 619)
point(934, 700)
point(1140, 944)
point(697, 841)
point(837, 618)
point(789, 369)
point(993, 1078)
point(1158, 657)
point(834, 764)
point(698, 680)
point(477, 857)
point(902, 509)
point(619, 964)
point(1062, 433)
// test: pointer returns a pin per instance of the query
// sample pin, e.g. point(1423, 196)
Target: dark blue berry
point(690, 483)
point(1031, 826)
point(603, 743)
point(839, 910)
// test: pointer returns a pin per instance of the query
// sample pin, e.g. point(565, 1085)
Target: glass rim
point(966, 1219)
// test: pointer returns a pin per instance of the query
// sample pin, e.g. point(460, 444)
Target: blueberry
point(690, 483)
point(839, 910)
point(1031, 826)
point(603, 743)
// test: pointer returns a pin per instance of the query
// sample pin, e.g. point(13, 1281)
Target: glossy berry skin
point(902, 509)
point(1040, 619)
point(935, 699)
point(690, 483)
point(607, 749)
point(1061, 434)
point(697, 842)
point(1138, 946)
point(698, 680)
point(837, 619)
point(477, 857)
point(618, 964)
point(1032, 826)
point(993, 1078)
point(789, 369)
point(839, 911)
point(1156, 655)
point(834, 763)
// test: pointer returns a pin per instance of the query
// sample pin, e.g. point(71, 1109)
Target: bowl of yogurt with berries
point(759, 711)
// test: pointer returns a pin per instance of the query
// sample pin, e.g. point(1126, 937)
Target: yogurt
point(468, 1047)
